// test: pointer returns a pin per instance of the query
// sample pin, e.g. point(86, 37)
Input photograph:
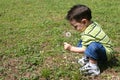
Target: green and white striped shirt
point(94, 33)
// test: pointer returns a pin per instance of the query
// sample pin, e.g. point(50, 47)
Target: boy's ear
point(84, 21)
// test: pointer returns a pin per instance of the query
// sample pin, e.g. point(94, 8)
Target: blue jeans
point(95, 50)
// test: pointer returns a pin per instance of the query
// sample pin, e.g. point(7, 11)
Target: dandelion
point(68, 34)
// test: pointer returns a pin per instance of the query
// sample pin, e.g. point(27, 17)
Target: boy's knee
point(96, 51)
point(92, 49)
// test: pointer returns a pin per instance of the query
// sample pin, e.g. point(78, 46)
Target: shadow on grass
point(114, 62)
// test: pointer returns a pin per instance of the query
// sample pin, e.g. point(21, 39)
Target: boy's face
point(80, 26)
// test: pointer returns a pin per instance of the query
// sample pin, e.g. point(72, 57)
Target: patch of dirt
point(66, 59)
point(59, 60)
point(117, 49)
point(10, 68)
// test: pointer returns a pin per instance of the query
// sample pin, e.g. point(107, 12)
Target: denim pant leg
point(79, 43)
point(96, 51)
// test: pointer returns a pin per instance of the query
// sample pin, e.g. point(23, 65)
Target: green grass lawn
point(32, 36)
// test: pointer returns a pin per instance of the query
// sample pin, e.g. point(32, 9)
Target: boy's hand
point(67, 46)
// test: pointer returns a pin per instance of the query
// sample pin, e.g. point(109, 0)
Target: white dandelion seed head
point(68, 34)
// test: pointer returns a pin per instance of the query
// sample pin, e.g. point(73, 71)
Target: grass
point(32, 36)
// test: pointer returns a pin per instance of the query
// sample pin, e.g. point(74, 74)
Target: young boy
point(94, 43)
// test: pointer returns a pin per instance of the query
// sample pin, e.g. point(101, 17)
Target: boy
point(94, 43)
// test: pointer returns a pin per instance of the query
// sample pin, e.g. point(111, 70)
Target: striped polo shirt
point(94, 33)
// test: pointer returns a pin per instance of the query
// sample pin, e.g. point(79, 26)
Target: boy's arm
point(73, 48)
point(77, 49)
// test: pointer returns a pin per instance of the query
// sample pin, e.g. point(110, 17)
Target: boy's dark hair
point(78, 12)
